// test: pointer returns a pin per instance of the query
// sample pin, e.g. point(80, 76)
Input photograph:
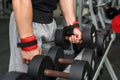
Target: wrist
point(25, 35)
point(70, 21)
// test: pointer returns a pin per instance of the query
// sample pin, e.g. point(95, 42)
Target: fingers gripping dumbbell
point(88, 37)
point(41, 68)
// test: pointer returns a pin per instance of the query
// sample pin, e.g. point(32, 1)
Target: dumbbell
point(16, 76)
point(111, 12)
point(101, 44)
point(88, 37)
point(41, 68)
point(56, 53)
point(77, 48)
point(107, 33)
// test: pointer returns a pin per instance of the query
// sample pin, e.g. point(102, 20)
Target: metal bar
point(114, 3)
point(102, 61)
point(80, 11)
point(110, 69)
point(93, 17)
point(75, 7)
point(79, 57)
point(100, 14)
point(101, 19)
point(100, 65)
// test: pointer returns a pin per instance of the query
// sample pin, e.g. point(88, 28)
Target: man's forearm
point(23, 16)
point(67, 7)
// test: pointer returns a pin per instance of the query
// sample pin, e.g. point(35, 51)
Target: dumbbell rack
point(107, 64)
point(103, 60)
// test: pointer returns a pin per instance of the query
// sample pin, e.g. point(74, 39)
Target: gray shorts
point(45, 37)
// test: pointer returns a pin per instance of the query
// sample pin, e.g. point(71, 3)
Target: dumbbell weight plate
point(78, 48)
point(111, 12)
point(107, 33)
point(16, 76)
point(89, 55)
point(79, 71)
point(38, 65)
point(55, 53)
point(89, 36)
point(101, 44)
point(60, 39)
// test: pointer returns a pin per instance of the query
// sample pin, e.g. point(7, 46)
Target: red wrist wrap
point(28, 40)
point(30, 48)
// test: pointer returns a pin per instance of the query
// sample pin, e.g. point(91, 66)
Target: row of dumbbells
point(50, 66)
point(97, 40)
point(47, 67)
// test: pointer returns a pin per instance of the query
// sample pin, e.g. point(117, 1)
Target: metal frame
point(107, 64)
point(93, 16)
point(104, 60)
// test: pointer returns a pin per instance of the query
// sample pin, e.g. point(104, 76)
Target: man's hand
point(76, 37)
point(27, 56)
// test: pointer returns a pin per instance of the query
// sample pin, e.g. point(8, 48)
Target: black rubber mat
point(4, 46)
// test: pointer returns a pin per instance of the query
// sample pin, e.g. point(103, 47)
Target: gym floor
point(113, 55)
